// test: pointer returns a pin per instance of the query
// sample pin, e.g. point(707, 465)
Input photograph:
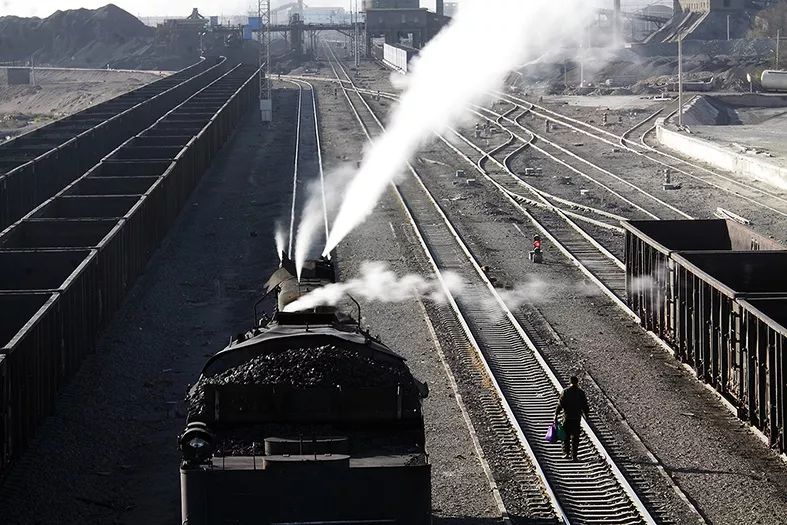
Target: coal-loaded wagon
point(306, 418)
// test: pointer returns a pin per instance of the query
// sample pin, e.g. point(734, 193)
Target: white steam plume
point(464, 62)
point(314, 214)
point(378, 283)
point(281, 239)
point(535, 291)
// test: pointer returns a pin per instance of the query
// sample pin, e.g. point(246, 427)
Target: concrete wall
point(722, 158)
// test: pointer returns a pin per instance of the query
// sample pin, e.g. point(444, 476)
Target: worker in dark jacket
point(573, 403)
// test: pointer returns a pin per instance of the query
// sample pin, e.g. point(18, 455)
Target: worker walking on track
point(573, 403)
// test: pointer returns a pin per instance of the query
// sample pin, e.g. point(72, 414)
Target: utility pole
point(680, 80)
point(728, 27)
point(616, 29)
point(357, 36)
point(266, 96)
point(352, 23)
point(582, 61)
point(778, 41)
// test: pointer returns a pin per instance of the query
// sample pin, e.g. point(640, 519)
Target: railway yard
point(138, 230)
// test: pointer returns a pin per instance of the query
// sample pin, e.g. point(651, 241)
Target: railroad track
point(646, 202)
point(547, 212)
point(36, 165)
point(594, 261)
point(770, 201)
point(575, 241)
point(307, 164)
point(594, 491)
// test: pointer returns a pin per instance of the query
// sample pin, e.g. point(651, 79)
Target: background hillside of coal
point(92, 38)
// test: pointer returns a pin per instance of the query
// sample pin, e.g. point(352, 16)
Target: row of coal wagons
point(716, 292)
point(66, 266)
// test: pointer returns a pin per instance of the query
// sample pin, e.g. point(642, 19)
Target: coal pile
point(322, 366)
point(92, 38)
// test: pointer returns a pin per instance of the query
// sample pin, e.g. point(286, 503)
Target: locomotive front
point(305, 419)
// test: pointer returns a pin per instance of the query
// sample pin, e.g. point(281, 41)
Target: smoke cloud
point(281, 239)
point(652, 284)
point(378, 283)
point(468, 59)
point(540, 291)
point(317, 210)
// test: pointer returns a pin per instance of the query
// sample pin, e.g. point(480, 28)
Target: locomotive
point(306, 418)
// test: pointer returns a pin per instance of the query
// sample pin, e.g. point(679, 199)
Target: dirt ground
point(57, 93)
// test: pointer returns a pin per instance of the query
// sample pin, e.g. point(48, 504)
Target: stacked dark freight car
point(716, 292)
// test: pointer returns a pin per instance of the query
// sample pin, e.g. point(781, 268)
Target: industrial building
point(415, 26)
point(402, 21)
point(310, 15)
point(705, 20)
point(390, 4)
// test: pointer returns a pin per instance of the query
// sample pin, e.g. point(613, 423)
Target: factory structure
point(405, 23)
point(401, 22)
point(707, 20)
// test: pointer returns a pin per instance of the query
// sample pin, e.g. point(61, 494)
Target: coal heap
point(92, 38)
point(322, 366)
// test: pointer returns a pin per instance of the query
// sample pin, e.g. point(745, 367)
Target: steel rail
point(507, 415)
point(591, 493)
point(571, 254)
point(483, 111)
point(544, 197)
point(600, 169)
point(393, 96)
point(589, 257)
point(319, 159)
point(631, 147)
point(318, 147)
point(529, 187)
point(583, 261)
point(505, 165)
point(608, 279)
point(295, 167)
point(562, 162)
